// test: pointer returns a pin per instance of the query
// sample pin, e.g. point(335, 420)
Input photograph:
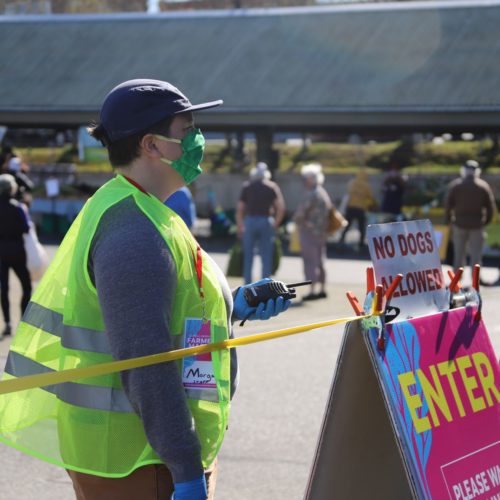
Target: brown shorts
point(151, 482)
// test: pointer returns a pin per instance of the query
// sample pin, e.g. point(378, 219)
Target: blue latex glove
point(263, 311)
point(191, 490)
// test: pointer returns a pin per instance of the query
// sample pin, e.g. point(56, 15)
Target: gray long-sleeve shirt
point(135, 277)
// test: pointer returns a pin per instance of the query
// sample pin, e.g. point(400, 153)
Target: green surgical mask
point(193, 146)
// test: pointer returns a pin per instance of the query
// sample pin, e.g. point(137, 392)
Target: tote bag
point(36, 256)
point(336, 221)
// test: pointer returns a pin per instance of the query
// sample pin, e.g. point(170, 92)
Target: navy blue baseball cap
point(135, 105)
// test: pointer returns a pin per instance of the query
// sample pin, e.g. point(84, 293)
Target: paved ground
point(279, 406)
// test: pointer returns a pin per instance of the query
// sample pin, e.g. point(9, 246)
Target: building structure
point(394, 67)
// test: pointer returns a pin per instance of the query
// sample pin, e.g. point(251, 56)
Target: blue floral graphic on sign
point(402, 355)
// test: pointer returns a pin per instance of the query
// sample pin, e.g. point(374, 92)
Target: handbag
point(336, 221)
point(36, 256)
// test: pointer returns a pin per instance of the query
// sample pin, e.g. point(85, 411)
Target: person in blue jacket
point(182, 203)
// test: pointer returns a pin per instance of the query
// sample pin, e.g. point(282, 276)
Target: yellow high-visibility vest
point(89, 425)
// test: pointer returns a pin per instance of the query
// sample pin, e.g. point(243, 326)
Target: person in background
point(469, 207)
point(259, 213)
point(360, 199)
point(14, 166)
point(130, 280)
point(182, 203)
point(312, 217)
point(14, 222)
point(393, 188)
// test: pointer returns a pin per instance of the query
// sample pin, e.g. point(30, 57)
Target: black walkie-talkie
point(255, 294)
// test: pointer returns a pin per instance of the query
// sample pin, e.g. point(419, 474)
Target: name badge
point(197, 371)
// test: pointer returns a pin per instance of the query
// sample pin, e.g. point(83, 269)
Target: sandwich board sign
point(419, 418)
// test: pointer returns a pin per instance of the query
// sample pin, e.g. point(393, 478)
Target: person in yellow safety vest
point(130, 280)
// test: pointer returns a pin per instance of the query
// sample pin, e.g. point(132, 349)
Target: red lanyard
point(136, 184)
point(198, 264)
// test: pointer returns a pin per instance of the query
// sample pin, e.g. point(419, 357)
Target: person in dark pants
point(13, 165)
point(14, 223)
point(393, 189)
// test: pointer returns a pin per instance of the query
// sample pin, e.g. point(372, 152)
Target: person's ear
point(148, 145)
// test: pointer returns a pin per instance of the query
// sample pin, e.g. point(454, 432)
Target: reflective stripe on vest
point(82, 339)
point(84, 395)
point(72, 337)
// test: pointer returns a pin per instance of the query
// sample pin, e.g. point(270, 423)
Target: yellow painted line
point(43, 379)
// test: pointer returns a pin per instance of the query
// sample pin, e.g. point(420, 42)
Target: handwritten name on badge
point(196, 375)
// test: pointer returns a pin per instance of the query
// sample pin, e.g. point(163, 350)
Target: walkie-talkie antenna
point(300, 283)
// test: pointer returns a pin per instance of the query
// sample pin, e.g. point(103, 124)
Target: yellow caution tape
point(51, 378)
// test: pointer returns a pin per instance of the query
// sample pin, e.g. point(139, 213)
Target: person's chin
point(176, 179)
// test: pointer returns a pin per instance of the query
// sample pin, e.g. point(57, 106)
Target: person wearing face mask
point(130, 280)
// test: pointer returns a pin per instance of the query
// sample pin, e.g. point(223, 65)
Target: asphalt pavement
point(278, 408)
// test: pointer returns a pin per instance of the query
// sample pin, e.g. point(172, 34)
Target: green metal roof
point(399, 64)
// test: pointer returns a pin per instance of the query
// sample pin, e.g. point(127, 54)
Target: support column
point(265, 151)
